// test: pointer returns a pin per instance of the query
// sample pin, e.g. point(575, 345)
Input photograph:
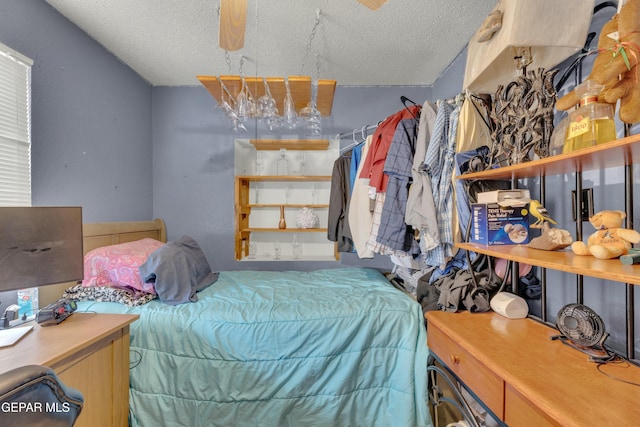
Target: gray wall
point(91, 119)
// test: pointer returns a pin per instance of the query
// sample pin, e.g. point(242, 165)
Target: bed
point(332, 347)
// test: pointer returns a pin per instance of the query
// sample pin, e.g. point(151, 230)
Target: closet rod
point(363, 133)
point(353, 133)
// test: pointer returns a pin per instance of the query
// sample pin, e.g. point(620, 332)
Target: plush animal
point(609, 240)
point(616, 66)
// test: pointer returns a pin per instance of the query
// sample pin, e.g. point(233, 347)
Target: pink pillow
point(118, 264)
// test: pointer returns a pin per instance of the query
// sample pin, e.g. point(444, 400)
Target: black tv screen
point(40, 246)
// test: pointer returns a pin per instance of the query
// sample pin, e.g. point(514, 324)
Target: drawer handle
point(454, 359)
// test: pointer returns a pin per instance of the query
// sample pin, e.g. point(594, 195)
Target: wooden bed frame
point(95, 235)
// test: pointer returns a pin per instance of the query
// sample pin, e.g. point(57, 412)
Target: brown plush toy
point(616, 66)
point(609, 240)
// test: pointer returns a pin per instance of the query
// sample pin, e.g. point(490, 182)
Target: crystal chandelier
point(280, 104)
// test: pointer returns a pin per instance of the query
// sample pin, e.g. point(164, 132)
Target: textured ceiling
point(169, 42)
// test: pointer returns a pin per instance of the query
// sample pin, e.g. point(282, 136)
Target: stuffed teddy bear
point(609, 240)
point(616, 66)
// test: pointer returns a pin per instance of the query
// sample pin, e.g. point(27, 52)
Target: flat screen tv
point(40, 246)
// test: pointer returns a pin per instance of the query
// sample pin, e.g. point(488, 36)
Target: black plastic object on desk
point(56, 312)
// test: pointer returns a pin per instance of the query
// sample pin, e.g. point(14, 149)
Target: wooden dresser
point(527, 379)
point(89, 352)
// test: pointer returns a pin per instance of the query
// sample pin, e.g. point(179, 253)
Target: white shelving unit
point(260, 193)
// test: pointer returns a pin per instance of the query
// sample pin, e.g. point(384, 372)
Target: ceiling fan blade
point(233, 18)
point(373, 4)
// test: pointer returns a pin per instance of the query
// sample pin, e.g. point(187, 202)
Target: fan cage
point(581, 325)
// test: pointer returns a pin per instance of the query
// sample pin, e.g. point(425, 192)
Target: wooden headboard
point(100, 234)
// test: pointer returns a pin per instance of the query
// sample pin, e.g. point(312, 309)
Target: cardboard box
point(501, 218)
point(505, 198)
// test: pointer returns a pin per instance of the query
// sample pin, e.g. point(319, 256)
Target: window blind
point(15, 128)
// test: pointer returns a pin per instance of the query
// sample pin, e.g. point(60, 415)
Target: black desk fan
point(584, 330)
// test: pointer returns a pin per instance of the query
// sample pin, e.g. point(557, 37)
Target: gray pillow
point(179, 269)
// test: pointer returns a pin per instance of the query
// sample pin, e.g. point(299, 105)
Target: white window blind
point(15, 128)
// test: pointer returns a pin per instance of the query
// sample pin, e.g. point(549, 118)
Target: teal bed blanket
point(334, 347)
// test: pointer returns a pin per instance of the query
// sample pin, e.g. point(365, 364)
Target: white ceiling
point(170, 42)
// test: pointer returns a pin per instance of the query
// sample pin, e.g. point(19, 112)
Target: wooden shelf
point(567, 261)
point(300, 87)
point(287, 205)
point(620, 152)
point(243, 209)
point(290, 144)
point(283, 178)
point(283, 230)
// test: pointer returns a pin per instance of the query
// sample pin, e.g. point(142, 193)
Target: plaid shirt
point(372, 242)
point(393, 231)
point(439, 165)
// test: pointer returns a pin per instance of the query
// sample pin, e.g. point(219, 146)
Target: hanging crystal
point(282, 163)
point(228, 110)
point(296, 247)
point(310, 113)
point(289, 115)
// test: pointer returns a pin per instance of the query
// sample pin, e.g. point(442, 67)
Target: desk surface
point(50, 344)
point(554, 377)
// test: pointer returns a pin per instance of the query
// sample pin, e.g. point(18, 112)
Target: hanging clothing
point(431, 168)
point(438, 165)
point(462, 202)
point(337, 221)
point(444, 203)
point(393, 231)
point(473, 130)
point(420, 199)
point(382, 137)
point(360, 213)
point(372, 241)
point(356, 160)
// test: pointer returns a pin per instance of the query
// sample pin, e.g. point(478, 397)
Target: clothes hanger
point(404, 100)
point(576, 65)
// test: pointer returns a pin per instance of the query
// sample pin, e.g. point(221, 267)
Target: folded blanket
point(179, 269)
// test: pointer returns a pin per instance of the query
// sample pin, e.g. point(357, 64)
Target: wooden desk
point(89, 352)
point(527, 379)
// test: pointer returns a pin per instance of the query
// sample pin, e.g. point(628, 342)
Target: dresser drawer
point(478, 378)
point(519, 412)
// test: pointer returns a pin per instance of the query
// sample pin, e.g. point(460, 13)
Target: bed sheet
point(332, 347)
